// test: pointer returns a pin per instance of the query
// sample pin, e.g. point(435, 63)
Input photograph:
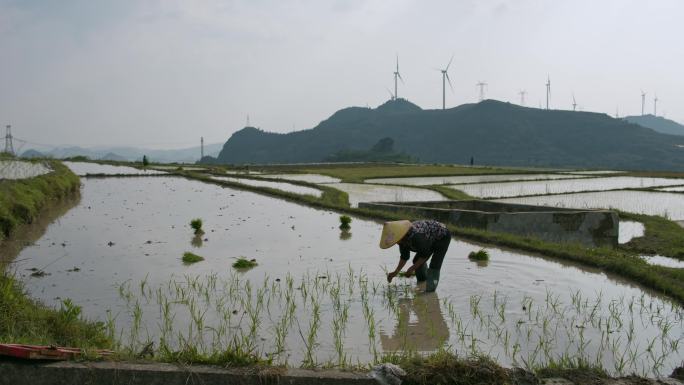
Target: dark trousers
point(439, 250)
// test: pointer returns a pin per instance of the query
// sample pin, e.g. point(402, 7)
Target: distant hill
point(113, 156)
point(32, 154)
point(182, 155)
point(657, 123)
point(492, 132)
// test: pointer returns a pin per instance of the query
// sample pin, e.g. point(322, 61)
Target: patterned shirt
point(421, 238)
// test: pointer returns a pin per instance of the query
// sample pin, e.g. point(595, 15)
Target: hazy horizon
point(160, 74)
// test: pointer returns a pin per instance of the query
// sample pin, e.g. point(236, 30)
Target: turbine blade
point(449, 80)
point(447, 67)
point(400, 78)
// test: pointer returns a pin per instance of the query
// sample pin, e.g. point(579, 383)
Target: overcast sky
point(163, 73)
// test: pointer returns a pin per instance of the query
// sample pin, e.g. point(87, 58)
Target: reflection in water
point(426, 331)
point(26, 235)
point(345, 234)
point(196, 241)
point(480, 263)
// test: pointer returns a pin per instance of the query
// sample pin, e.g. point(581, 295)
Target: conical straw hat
point(392, 232)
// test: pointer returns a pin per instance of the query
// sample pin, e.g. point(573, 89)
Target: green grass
point(21, 201)
point(23, 320)
point(244, 263)
point(189, 258)
point(450, 193)
point(661, 236)
point(480, 255)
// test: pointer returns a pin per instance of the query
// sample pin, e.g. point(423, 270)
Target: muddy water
point(85, 168)
point(513, 189)
point(430, 180)
point(16, 169)
point(375, 193)
point(667, 205)
point(284, 186)
point(317, 284)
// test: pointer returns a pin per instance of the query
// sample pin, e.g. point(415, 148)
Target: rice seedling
point(345, 222)
point(480, 255)
point(196, 225)
point(244, 263)
point(189, 258)
point(213, 313)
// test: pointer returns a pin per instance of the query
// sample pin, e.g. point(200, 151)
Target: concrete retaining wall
point(112, 373)
point(588, 227)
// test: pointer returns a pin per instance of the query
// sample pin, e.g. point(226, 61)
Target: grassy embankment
point(358, 173)
point(23, 320)
point(662, 236)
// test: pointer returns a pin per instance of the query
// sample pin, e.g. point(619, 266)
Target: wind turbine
point(574, 103)
point(522, 94)
point(482, 85)
point(643, 102)
point(548, 91)
point(655, 105)
point(445, 78)
point(397, 75)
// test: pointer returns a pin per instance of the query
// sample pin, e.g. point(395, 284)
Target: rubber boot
point(432, 280)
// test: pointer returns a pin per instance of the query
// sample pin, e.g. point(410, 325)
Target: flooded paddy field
point(667, 205)
point(284, 186)
point(438, 180)
point(85, 168)
point(17, 169)
point(593, 172)
point(311, 178)
point(359, 192)
point(319, 296)
point(673, 189)
point(513, 189)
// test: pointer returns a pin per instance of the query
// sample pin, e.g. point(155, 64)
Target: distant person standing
point(472, 160)
point(429, 239)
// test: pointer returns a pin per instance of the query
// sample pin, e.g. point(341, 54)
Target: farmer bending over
point(427, 238)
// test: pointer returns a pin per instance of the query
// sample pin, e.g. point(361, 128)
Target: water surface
point(433, 180)
point(120, 250)
point(667, 205)
point(359, 192)
point(284, 186)
point(513, 189)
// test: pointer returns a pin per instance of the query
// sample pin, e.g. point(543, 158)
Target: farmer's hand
point(391, 275)
point(410, 272)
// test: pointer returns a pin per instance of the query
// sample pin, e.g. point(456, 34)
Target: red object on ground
point(37, 352)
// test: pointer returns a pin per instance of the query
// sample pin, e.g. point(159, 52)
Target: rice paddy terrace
point(318, 296)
